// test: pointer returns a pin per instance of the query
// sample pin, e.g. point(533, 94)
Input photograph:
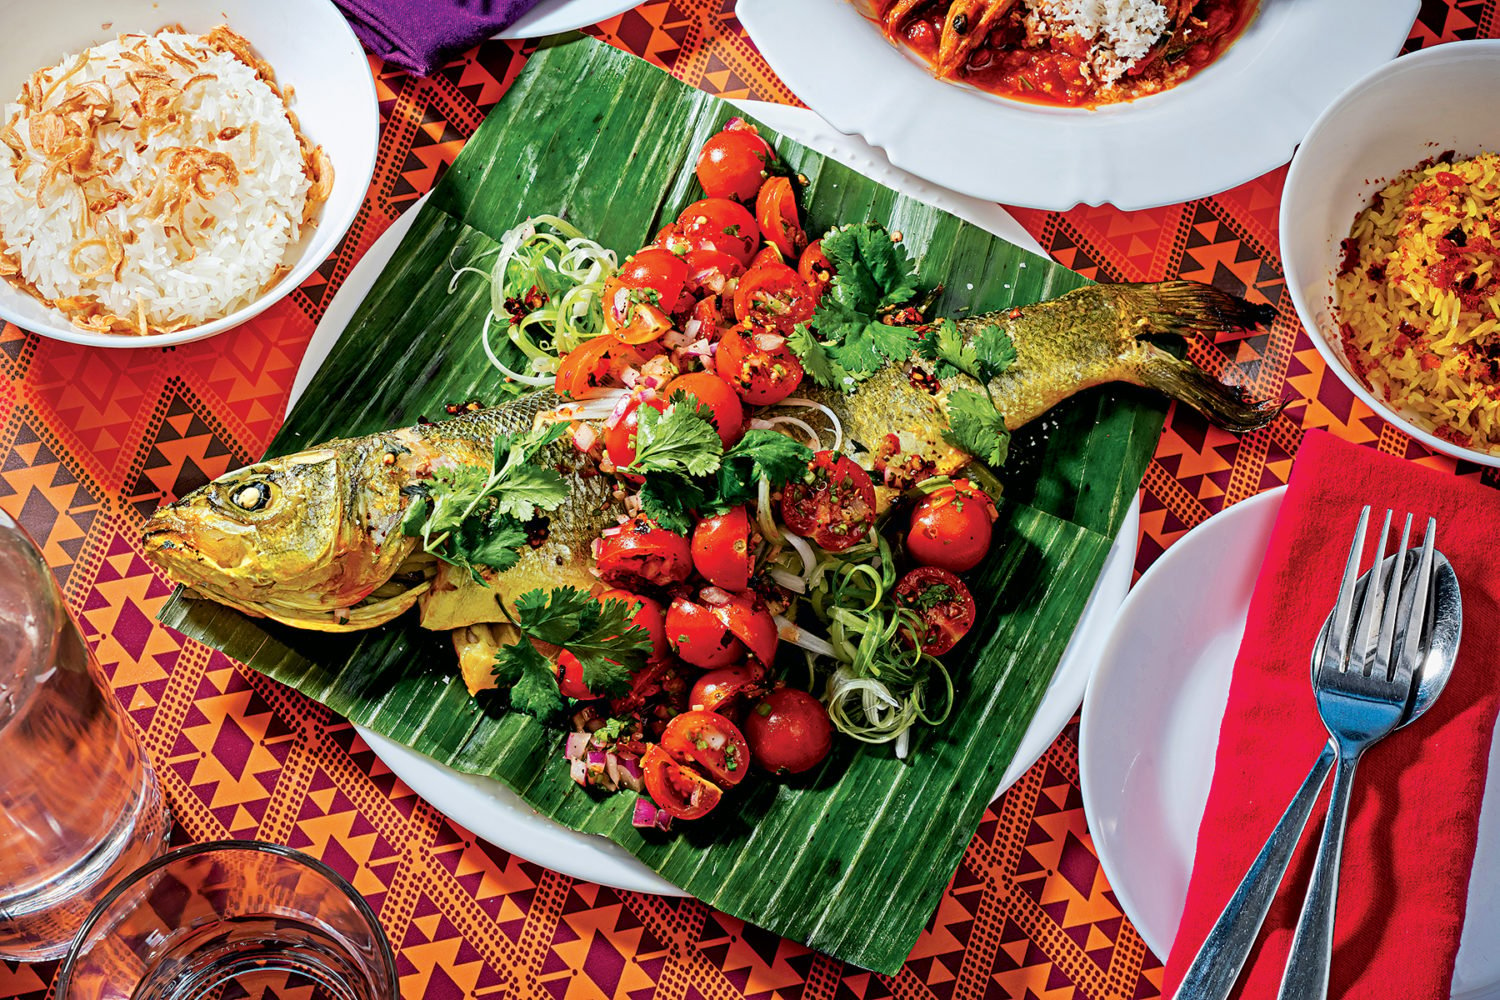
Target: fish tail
point(1182, 307)
point(1226, 406)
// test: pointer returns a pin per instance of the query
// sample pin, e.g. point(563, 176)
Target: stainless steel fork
point(1362, 686)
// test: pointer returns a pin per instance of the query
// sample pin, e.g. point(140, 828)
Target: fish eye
point(252, 496)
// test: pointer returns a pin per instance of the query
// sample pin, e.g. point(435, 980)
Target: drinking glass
point(230, 919)
point(79, 803)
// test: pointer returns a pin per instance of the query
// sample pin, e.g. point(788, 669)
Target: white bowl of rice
point(171, 168)
point(1386, 243)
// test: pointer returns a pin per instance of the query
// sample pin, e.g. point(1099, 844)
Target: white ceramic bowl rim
point(351, 167)
point(1391, 75)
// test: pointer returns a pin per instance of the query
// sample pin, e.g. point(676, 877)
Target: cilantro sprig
point(609, 647)
point(975, 423)
point(687, 470)
point(851, 336)
point(473, 518)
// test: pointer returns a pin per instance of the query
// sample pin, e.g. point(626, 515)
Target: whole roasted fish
point(314, 539)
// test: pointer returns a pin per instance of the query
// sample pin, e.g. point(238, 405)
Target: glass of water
point(230, 919)
point(79, 803)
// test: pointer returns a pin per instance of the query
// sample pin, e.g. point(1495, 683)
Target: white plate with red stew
point(994, 100)
point(496, 814)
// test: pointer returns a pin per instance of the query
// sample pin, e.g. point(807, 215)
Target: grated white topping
point(1122, 30)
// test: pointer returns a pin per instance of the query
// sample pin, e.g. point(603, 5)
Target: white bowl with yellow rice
point(160, 180)
point(1386, 244)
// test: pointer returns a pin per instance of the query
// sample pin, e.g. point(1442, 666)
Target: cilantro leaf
point(760, 454)
point(472, 517)
point(681, 439)
point(610, 647)
point(553, 615)
point(670, 500)
point(852, 342)
point(532, 683)
point(994, 351)
point(975, 426)
point(946, 346)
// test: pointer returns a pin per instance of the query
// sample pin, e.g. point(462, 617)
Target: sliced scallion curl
point(833, 418)
point(568, 270)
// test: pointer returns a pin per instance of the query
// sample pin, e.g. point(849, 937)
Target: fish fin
point(1182, 307)
point(1226, 406)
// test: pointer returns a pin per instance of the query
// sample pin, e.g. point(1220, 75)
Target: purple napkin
point(421, 35)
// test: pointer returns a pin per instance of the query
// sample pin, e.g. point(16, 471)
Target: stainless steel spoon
point(1217, 965)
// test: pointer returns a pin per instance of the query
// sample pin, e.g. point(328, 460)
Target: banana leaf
point(851, 859)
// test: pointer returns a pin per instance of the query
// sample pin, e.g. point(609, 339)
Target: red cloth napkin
point(1415, 810)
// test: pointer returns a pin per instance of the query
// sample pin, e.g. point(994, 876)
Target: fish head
point(274, 538)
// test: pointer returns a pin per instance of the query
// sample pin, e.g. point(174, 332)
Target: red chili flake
point(1448, 179)
point(1430, 361)
point(1350, 250)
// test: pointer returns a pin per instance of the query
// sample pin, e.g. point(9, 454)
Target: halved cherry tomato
point(719, 690)
point(681, 791)
point(747, 619)
point(712, 742)
point(700, 637)
point(719, 224)
point(789, 731)
point(588, 368)
point(619, 433)
point(773, 297)
point(641, 549)
point(659, 270)
point(733, 163)
point(708, 271)
point(716, 394)
point(776, 214)
point(950, 528)
point(570, 677)
point(721, 549)
point(710, 318)
point(767, 254)
point(759, 365)
point(834, 504)
point(943, 603)
point(648, 615)
point(634, 315)
point(815, 268)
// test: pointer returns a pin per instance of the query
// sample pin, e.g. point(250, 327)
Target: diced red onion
point(715, 596)
point(595, 758)
point(647, 815)
point(769, 341)
point(690, 329)
point(576, 744)
point(579, 772)
point(584, 436)
point(612, 768)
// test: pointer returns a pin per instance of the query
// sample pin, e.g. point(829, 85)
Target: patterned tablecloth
point(92, 440)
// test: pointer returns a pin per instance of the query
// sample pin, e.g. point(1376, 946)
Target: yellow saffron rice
point(1418, 298)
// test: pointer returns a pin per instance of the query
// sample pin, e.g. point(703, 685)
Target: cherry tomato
point(776, 214)
point(619, 433)
point(950, 528)
point(720, 224)
point(721, 549)
point(834, 505)
point(759, 365)
point(719, 690)
point(648, 615)
point(635, 315)
point(570, 677)
point(658, 270)
point(588, 368)
point(747, 619)
point(710, 318)
point(716, 394)
point(709, 271)
point(733, 163)
point(700, 637)
point(789, 731)
point(681, 791)
point(710, 741)
point(773, 297)
point(641, 549)
point(767, 254)
point(815, 268)
point(943, 603)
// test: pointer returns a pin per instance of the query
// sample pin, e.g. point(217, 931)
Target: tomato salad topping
point(748, 609)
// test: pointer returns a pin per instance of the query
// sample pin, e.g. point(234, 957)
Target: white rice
point(162, 269)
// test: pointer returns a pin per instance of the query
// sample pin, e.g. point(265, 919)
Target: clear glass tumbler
point(230, 919)
point(79, 803)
